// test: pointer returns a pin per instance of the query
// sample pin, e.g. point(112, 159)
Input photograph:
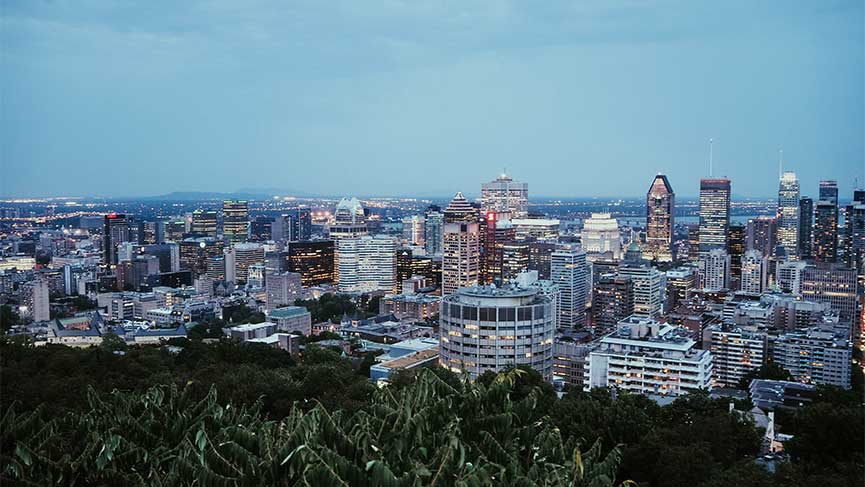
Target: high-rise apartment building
point(788, 214)
point(461, 257)
point(735, 353)
point(714, 213)
point(815, 355)
point(570, 272)
point(649, 288)
point(755, 272)
point(660, 209)
point(506, 197)
point(36, 300)
point(715, 270)
point(235, 221)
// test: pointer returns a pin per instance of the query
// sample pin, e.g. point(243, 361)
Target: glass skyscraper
point(714, 213)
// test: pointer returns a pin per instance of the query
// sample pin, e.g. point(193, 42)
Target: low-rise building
point(291, 319)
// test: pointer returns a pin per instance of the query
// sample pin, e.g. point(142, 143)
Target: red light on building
point(111, 216)
point(491, 216)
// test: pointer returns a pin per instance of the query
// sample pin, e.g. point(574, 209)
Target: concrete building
point(601, 235)
point(832, 285)
point(367, 264)
point(649, 288)
point(416, 306)
point(714, 270)
point(788, 214)
point(755, 272)
point(569, 362)
point(714, 213)
point(735, 353)
point(612, 301)
point(490, 328)
point(570, 272)
point(647, 357)
point(461, 259)
point(291, 319)
point(815, 355)
point(36, 300)
point(235, 221)
point(283, 289)
point(505, 196)
point(405, 355)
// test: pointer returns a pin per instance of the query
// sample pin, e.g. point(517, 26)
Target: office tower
point(677, 365)
point(680, 282)
point(660, 209)
point(788, 214)
point(413, 230)
point(195, 252)
point(302, 220)
point(152, 232)
point(235, 221)
point(570, 272)
point(694, 242)
point(243, 255)
point(715, 270)
point(494, 329)
point(283, 227)
point(461, 246)
point(36, 300)
point(367, 264)
point(460, 210)
point(736, 249)
point(755, 272)
point(612, 301)
point(760, 235)
point(649, 288)
point(829, 192)
point(313, 260)
point(204, 223)
point(261, 228)
point(601, 235)
point(282, 288)
point(825, 232)
point(404, 267)
point(515, 259)
point(506, 197)
point(115, 232)
point(540, 258)
point(540, 229)
point(815, 356)
point(806, 226)
point(175, 230)
point(735, 353)
point(349, 221)
point(833, 285)
point(216, 268)
point(714, 213)
point(255, 276)
point(497, 234)
point(854, 228)
point(788, 277)
point(432, 230)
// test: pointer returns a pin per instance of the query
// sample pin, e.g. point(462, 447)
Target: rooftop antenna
point(780, 163)
point(710, 157)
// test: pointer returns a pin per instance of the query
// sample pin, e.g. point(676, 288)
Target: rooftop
point(288, 312)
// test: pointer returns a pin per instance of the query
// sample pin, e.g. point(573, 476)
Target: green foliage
point(428, 433)
point(770, 370)
point(329, 307)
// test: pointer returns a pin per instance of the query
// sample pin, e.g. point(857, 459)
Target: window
point(507, 314)
point(470, 313)
point(488, 314)
point(524, 314)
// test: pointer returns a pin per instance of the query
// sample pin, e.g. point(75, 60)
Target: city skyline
point(411, 94)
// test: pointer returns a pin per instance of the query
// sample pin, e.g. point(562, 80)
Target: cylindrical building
point(486, 328)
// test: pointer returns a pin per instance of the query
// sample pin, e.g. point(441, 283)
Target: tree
point(8, 317)
point(770, 371)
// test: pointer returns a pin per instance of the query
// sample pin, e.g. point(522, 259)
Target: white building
point(569, 271)
point(506, 197)
point(601, 234)
point(648, 357)
point(546, 229)
point(714, 270)
point(461, 256)
point(755, 272)
point(36, 300)
point(788, 214)
point(367, 264)
point(815, 355)
point(788, 277)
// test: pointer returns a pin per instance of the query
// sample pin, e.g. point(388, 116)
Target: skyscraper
point(715, 270)
point(612, 301)
point(714, 213)
point(235, 221)
point(806, 227)
point(760, 235)
point(788, 214)
point(314, 260)
point(432, 231)
point(204, 223)
point(660, 208)
point(736, 249)
point(506, 197)
point(461, 246)
point(349, 221)
point(115, 232)
point(825, 247)
point(302, 225)
point(854, 231)
point(497, 233)
point(570, 272)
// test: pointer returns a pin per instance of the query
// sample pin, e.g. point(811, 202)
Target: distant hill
point(241, 194)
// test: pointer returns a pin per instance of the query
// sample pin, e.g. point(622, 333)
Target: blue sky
point(424, 97)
